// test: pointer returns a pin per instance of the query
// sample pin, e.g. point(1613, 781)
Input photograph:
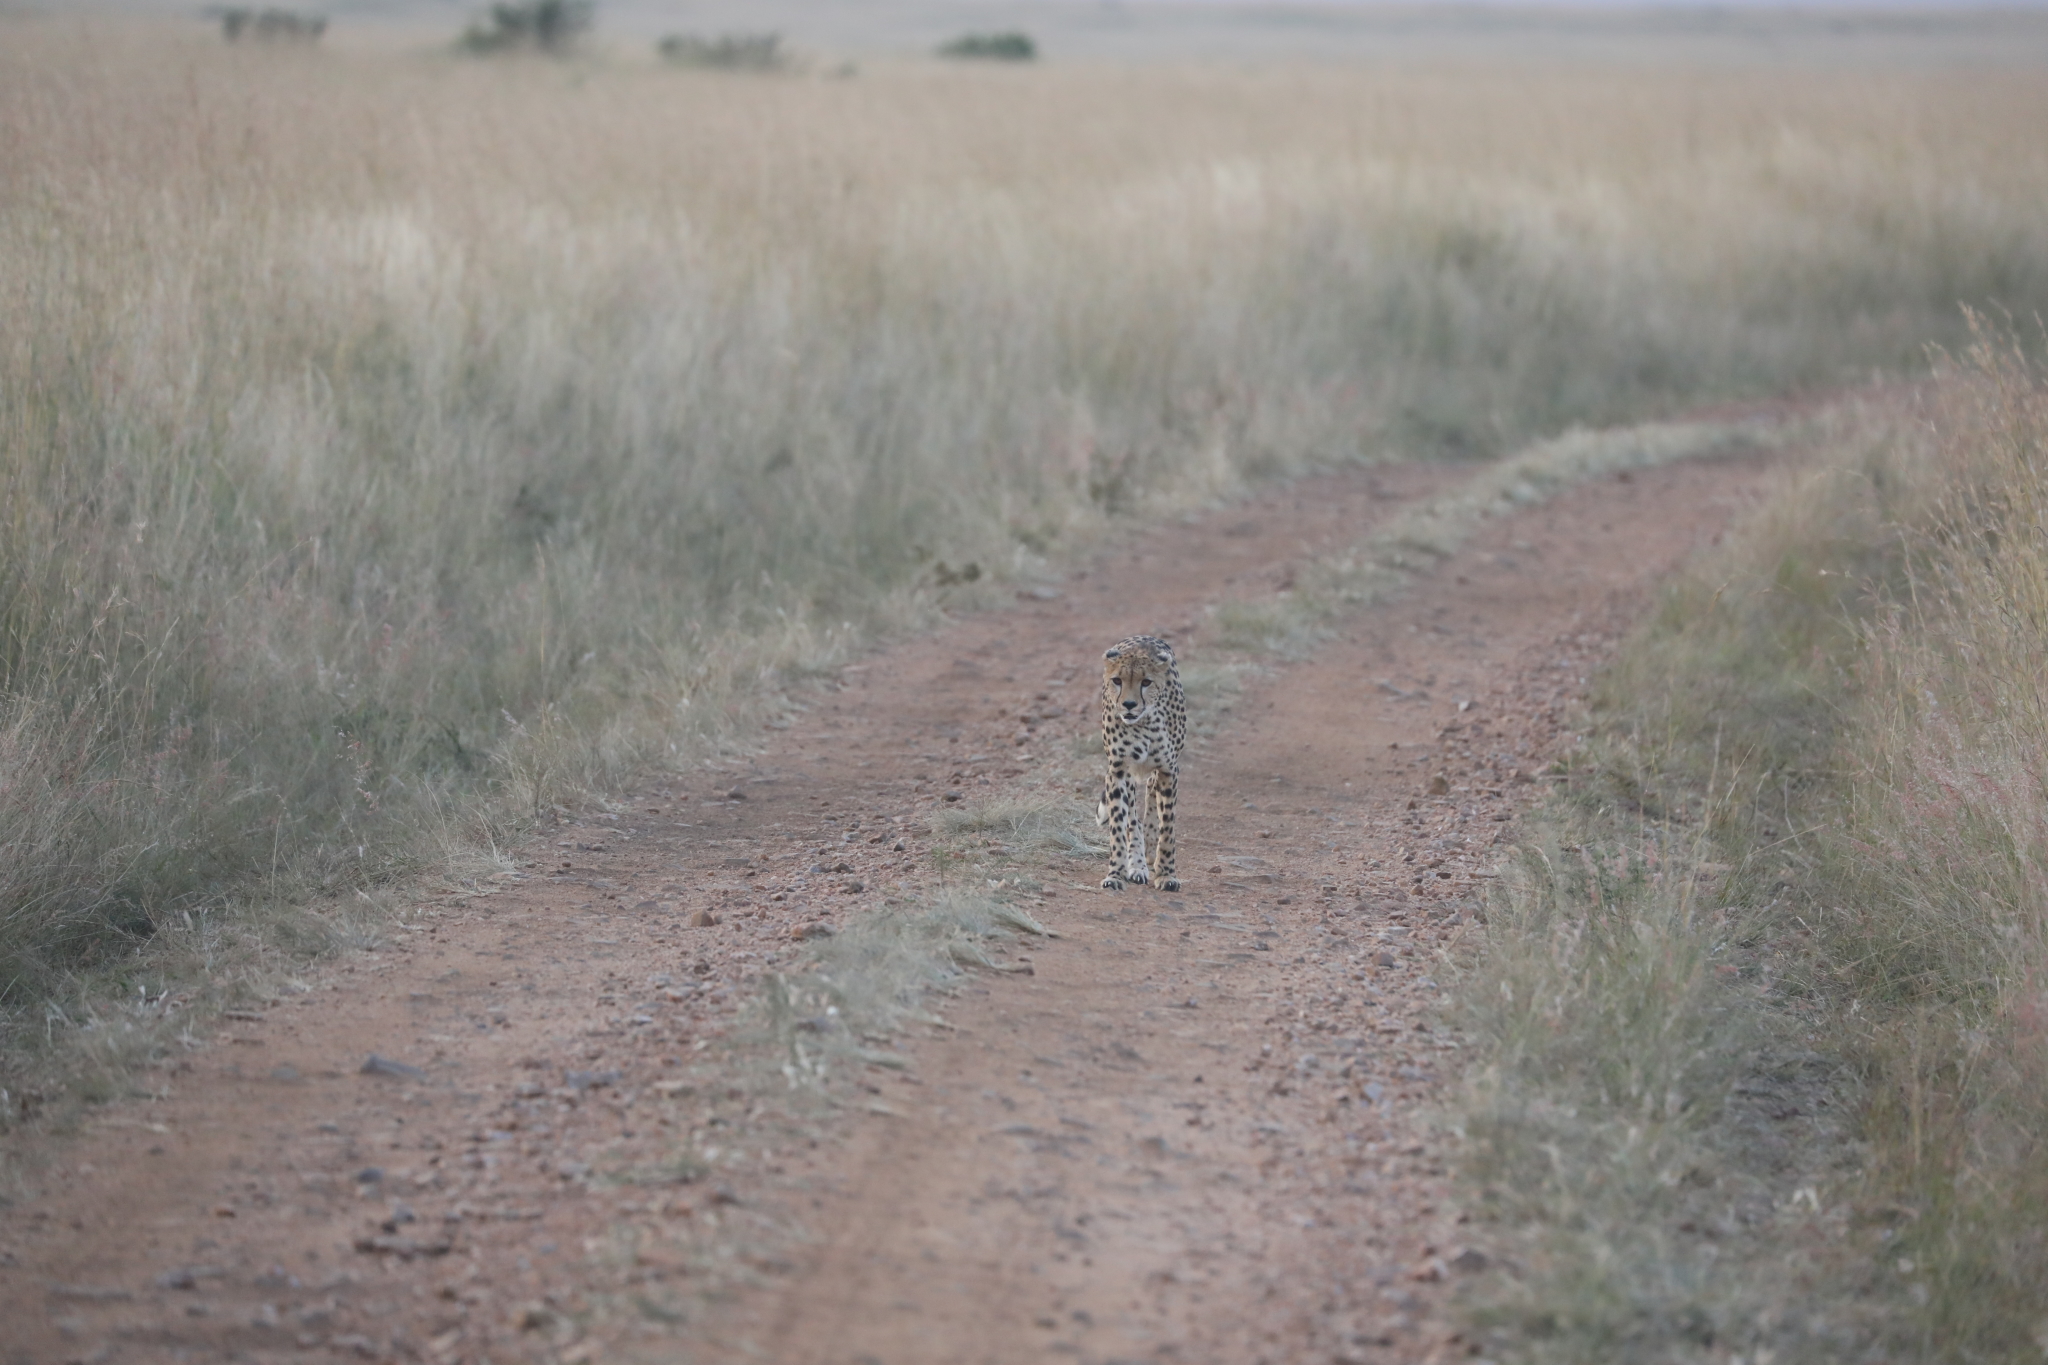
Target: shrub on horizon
point(271, 25)
point(726, 51)
point(550, 26)
point(992, 47)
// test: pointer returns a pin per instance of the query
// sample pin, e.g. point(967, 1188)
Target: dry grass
point(1641, 1212)
point(846, 1003)
point(1035, 822)
point(1936, 871)
point(1762, 1025)
point(1656, 1132)
point(396, 446)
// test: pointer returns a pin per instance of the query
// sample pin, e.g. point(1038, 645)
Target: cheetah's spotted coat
point(1144, 725)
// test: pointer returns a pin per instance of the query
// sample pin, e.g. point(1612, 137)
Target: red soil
point(1204, 1127)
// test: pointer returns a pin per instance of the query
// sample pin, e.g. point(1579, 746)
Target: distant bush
point(726, 51)
point(547, 25)
point(272, 25)
point(992, 47)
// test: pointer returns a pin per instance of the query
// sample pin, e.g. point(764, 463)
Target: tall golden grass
point(1762, 1016)
point(393, 445)
point(1937, 869)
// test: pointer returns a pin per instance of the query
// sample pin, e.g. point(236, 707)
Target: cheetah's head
point(1134, 678)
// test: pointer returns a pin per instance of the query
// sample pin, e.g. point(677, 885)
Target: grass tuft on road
point(840, 1009)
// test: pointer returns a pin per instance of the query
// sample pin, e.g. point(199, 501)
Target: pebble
point(384, 1066)
point(404, 1248)
point(188, 1276)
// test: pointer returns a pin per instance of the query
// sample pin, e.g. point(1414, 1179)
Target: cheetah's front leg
point(1163, 786)
point(1125, 832)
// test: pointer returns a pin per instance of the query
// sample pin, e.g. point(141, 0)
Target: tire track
point(1196, 1130)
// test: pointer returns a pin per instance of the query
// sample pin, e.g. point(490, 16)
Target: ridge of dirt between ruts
point(539, 1172)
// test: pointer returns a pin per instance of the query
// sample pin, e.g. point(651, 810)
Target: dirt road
point(1197, 1129)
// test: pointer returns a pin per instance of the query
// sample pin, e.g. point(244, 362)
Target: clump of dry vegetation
point(271, 25)
point(394, 447)
point(1763, 1067)
point(726, 51)
point(846, 1003)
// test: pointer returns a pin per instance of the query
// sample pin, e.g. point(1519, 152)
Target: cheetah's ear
point(1111, 654)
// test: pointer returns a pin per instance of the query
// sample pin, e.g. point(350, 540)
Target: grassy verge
point(395, 447)
point(1758, 1012)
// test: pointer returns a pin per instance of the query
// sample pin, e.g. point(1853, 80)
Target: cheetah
point(1144, 725)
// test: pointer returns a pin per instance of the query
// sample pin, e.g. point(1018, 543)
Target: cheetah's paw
point(1112, 883)
point(1169, 884)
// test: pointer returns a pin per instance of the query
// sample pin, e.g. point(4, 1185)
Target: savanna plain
point(410, 461)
